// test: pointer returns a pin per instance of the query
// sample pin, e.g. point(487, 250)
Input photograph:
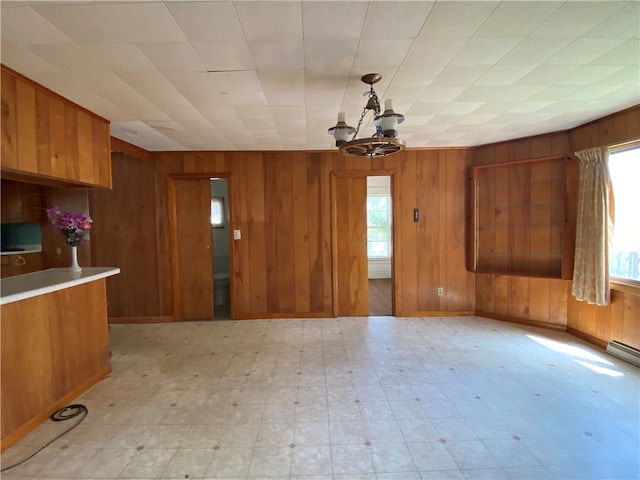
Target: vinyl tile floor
point(348, 398)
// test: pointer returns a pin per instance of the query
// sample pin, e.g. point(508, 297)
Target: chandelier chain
point(376, 110)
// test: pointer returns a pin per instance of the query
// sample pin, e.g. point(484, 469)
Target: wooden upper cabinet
point(45, 135)
point(520, 218)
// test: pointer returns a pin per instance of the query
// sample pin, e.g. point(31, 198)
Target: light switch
point(236, 235)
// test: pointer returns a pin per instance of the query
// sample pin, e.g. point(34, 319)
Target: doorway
point(379, 244)
point(221, 248)
point(362, 243)
point(200, 225)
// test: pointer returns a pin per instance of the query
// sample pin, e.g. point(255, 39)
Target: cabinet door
point(12, 206)
point(25, 263)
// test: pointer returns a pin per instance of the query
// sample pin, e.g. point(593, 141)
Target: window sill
point(628, 286)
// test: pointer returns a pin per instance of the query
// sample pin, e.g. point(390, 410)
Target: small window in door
point(218, 219)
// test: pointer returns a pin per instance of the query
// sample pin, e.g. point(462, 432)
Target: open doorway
point(379, 245)
point(221, 248)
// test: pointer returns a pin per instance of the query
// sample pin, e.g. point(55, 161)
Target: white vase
point(74, 260)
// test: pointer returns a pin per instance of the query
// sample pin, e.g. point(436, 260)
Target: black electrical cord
point(64, 413)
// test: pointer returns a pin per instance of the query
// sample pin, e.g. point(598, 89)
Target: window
point(217, 212)
point(379, 226)
point(624, 168)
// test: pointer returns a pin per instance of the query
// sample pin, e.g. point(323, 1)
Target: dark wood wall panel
point(281, 202)
point(549, 301)
point(124, 235)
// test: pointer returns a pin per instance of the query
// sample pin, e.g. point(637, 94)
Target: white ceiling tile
point(324, 21)
point(459, 75)
point(461, 108)
point(132, 63)
point(237, 82)
point(484, 51)
point(386, 53)
point(433, 51)
point(271, 21)
point(68, 57)
point(519, 93)
point(276, 80)
point(416, 76)
point(589, 75)
point(155, 87)
point(173, 57)
point(207, 22)
point(535, 50)
point(456, 19)
point(480, 93)
point(129, 22)
point(122, 57)
point(40, 31)
point(247, 98)
point(624, 23)
point(329, 54)
point(403, 95)
point(627, 76)
point(516, 19)
point(395, 20)
point(285, 55)
point(576, 18)
point(225, 56)
point(627, 53)
point(585, 50)
point(441, 94)
point(529, 107)
point(504, 74)
point(23, 60)
point(546, 74)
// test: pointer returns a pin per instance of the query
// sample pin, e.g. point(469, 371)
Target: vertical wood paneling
point(300, 245)
point(26, 127)
point(409, 251)
point(46, 135)
point(86, 173)
point(429, 231)
point(72, 143)
point(9, 121)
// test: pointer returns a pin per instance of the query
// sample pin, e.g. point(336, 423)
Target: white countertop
point(33, 284)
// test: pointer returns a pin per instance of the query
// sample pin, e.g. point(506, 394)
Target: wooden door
point(192, 240)
point(351, 287)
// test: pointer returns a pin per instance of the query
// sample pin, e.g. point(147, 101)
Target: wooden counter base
point(54, 347)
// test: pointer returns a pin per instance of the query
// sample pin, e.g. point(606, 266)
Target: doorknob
point(208, 247)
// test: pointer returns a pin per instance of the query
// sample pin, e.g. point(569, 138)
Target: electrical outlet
point(237, 235)
point(58, 250)
point(440, 291)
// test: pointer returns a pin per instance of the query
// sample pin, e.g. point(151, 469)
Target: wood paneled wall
point(517, 298)
point(281, 201)
point(47, 136)
point(621, 319)
point(535, 300)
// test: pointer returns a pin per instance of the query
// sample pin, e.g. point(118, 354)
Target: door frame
point(173, 237)
point(334, 230)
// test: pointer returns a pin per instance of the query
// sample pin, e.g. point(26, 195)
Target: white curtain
point(594, 228)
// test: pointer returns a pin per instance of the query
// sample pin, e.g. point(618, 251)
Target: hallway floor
point(352, 399)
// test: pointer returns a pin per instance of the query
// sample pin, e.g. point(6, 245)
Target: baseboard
point(27, 427)
point(522, 321)
point(141, 319)
point(272, 316)
point(587, 338)
point(436, 313)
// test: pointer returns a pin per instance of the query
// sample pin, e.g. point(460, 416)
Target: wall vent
point(625, 352)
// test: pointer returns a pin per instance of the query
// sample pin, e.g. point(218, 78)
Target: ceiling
point(219, 75)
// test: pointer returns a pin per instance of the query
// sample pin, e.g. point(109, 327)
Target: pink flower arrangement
point(73, 225)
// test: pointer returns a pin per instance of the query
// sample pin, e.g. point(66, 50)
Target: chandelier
point(383, 142)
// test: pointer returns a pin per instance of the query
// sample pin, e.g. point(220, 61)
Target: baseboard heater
point(624, 352)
